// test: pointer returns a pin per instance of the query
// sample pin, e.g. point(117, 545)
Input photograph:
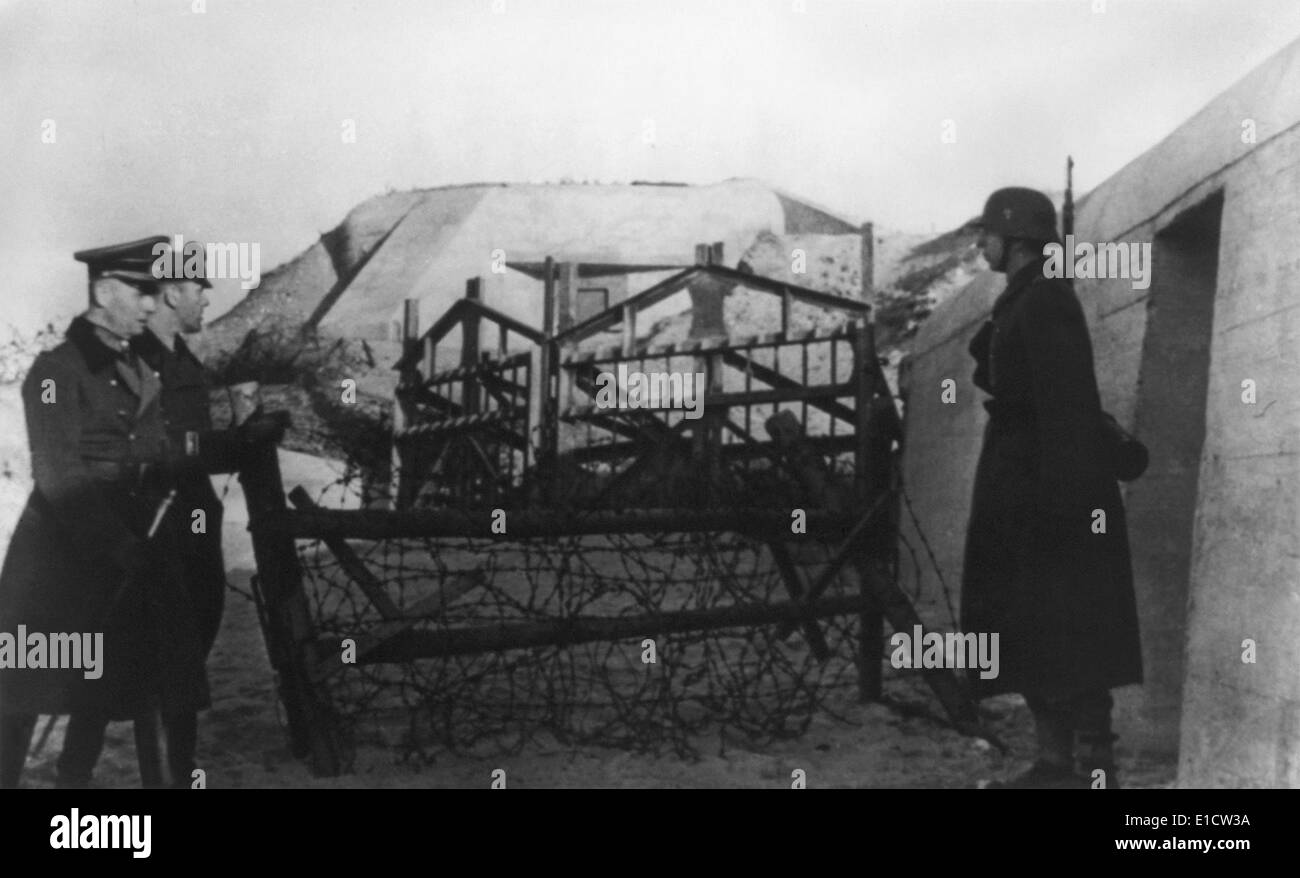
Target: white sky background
point(226, 125)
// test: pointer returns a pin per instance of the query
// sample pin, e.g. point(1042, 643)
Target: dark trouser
point(181, 732)
point(1061, 717)
point(15, 739)
point(182, 740)
point(82, 743)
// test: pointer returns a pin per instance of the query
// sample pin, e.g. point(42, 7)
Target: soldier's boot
point(82, 743)
point(15, 739)
point(1097, 754)
point(1054, 767)
point(182, 743)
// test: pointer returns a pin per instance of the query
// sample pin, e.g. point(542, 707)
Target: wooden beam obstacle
point(493, 433)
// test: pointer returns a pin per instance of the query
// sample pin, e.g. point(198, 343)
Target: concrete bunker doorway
point(1173, 381)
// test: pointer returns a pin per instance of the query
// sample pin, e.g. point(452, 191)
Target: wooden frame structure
point(485, 435)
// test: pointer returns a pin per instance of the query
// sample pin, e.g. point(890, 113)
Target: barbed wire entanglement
point(745, 683)
point(549, 637)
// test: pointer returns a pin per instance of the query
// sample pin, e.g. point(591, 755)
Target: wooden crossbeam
point(824, 394)
point(395, 620)
point(503, 386)
point(568, 632)
point(374, 524)
point(770, 376)
point(414, 393)
point(494, 418)
point(479, 369)
point(429, 607)
point(848, 547)
point(615, 354)
point(488, 466)
point(827, 445)
point(352, 565)
point(463, 309)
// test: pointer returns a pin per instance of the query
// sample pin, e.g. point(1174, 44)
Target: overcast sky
point(227, 124)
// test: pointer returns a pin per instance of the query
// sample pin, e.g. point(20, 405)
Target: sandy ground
point(895, 744)
point(899, 743)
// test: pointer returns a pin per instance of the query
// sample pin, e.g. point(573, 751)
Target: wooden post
point(713, 417)
point(707, 294)
point(548, 297)
point(566, 295)
point(397, 500)
point(402, 460)
point(430, 358)
point(410, 323)
point(872, 632)
point(288, 630)
point(629, 329)
point(536, 427)
point(868, 261)
point(565, 380)
point(469, 345)
point(554, 376)
point(541, 409)
point(700, 428)
point(864, 395)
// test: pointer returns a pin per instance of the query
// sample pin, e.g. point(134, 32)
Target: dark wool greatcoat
point(186, 410)
point(83, 529)
point(1059, 595)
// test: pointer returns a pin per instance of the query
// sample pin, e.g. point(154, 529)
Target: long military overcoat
point(1047, 563)
point(92, 422)
point(186, 410)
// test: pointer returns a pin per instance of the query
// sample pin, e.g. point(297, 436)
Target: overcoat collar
point(1018, 283)
point(153, 350)
point(98, 356)
point(81, 332)
point(149, 348)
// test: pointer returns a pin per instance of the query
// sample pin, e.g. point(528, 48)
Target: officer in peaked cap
point(133, 261)
point(94, 552)
point(147, 261)
point(185, 393)
point(1037, 571)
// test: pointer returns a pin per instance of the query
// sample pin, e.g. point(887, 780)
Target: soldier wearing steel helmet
point(1039, 570)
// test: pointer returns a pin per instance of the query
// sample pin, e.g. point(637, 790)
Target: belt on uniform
point(121, 472)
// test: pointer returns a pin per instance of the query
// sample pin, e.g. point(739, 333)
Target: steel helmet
point(1017, 212)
